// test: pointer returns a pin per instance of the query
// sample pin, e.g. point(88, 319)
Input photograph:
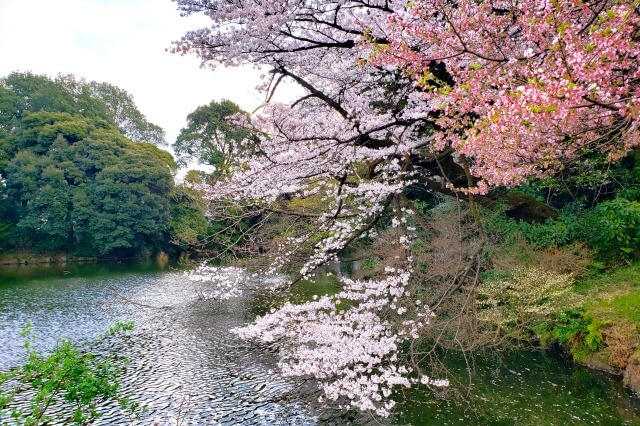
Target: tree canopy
point(75, 180)
point(528, 87)
point(211, 138)
point(26, 92)
point(77, 183)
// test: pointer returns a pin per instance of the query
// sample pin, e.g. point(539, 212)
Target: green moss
point(614, 296)
point(611, 280)
point(628, 306)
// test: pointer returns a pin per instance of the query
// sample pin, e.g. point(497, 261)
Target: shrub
point(68, 375)
point(572, 225)
point(580, 332)
point(530, 295)
point(619, 228)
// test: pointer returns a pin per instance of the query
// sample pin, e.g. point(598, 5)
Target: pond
point(187, 368)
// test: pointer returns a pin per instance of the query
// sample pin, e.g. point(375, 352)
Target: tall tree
point(72, 181)
point(79, 184)
point(529, 86)
point(210, 137)
point(27, 92)
point(355, 140)
point(131, 122)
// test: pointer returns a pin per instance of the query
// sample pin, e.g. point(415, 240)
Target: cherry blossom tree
point(347, 143)
point(530, 85)
point(455, 97)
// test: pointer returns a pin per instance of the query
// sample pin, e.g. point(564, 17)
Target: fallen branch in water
point(136, 303)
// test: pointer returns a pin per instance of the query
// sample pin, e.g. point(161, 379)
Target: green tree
point(123, 111)
point(188, 222)
point(129, 206)
point(210, 138)
point(82, 172)
point(31, 92)
point(77, 183)
point(22, 93)
point(69, 374)
point(4, 219)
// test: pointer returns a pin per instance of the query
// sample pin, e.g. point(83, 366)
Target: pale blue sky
point(122, 42)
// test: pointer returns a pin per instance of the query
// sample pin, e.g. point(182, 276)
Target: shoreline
point(17, 260)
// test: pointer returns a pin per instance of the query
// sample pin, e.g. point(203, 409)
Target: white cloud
point(122, 42)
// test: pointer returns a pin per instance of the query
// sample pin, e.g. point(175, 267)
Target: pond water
point(187, 368)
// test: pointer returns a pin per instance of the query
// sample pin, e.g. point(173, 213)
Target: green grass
point(614, 295)
point(628, 306)
point(626, 276)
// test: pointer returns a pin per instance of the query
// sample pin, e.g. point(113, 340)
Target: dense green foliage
point(70, 375)
point(22, 93)
point(188, 222)
point(210, 138)
point(619, 223)
point(599, 206)
point(597, 239)
point(581, 332)
point(214, 136)
point(74, 180)
point(4, 225)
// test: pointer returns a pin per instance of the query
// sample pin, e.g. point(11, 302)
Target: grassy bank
point(611, 308)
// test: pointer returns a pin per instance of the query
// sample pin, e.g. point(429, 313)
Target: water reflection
point(530, 388)
point(184, 362)
point(185, 365)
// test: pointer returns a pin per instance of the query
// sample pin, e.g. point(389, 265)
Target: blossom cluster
point(227, 282)
point(530, 85)
point(345, 342)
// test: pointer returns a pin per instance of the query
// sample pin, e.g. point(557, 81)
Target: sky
point(122, 42)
